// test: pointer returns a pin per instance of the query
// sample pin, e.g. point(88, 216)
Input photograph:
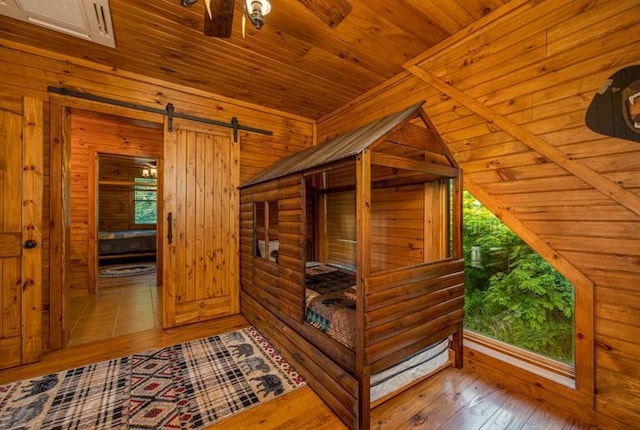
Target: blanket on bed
point(331, 302)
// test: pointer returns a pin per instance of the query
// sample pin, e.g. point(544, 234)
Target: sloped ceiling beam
point(581, 171)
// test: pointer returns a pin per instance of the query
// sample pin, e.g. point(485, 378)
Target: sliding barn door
point(20, 231)
point(200, 228)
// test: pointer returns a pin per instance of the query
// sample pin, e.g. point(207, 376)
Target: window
point(145, 195)
point(267, 245)
point(512, 294)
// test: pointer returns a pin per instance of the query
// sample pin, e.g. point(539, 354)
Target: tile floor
point(122, 305)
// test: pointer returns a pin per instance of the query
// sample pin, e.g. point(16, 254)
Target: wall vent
point(86, 19)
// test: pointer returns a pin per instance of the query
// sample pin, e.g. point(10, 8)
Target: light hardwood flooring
point(451, 399)
point(122, 305)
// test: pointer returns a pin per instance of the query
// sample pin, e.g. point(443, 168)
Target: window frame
point(134, 201)
point(581, 384)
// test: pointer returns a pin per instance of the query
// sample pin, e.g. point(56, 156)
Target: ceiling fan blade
point(332, 12)
point(220, 23)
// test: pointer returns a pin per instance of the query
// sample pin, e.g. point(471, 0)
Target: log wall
point(28, 71)
point(509, 95)
point(410, 308)
point(273, 296)
point(397, 227)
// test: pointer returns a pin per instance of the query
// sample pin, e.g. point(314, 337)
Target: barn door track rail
point(169, 111)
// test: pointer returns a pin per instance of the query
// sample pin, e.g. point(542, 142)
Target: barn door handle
point(30, 244)
point(170, 229)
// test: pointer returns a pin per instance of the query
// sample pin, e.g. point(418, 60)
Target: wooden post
point(59, 223)
point(92, 223)
point(363, 265)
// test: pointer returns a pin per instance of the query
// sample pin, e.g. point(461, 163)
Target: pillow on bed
point(274, 245)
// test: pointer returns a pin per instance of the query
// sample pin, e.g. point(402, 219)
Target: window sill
point(552, 370)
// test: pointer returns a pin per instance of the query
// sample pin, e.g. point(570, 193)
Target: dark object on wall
point(615, 109)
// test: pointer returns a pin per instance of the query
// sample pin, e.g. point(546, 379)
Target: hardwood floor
point(122, 305)
point(451, 399)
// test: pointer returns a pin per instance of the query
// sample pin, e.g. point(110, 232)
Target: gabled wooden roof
point(341, 147)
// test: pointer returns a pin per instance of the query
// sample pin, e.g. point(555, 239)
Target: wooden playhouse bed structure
point(351, 261)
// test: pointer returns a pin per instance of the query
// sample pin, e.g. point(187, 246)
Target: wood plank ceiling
point(296, 63)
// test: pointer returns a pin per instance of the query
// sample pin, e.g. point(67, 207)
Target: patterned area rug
point(128, 269)
point(190, 385)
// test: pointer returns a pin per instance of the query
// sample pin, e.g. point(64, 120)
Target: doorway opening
point(115, 275)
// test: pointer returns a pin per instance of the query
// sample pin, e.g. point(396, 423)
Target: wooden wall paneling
point(435, 222)
point(114, 207)
point(30, 70)
point(474, 79)
point(593, 178)
point(32, 156)
point(377, 103)
point(133, 88)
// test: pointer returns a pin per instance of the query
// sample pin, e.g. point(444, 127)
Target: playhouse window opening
point(266, 230)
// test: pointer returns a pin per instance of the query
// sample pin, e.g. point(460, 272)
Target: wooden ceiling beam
point(402, 163)
point(591, 177)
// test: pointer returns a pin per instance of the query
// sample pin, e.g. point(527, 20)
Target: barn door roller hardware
point(169, 111)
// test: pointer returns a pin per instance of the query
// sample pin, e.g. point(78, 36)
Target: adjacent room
point(114, 280)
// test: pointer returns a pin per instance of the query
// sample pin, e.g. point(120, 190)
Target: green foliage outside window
point(512, 294)
point(145, 195)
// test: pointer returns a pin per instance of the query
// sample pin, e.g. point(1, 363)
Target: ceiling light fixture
point(256, 11)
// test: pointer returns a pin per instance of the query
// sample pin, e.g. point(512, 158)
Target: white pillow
point(274, 245)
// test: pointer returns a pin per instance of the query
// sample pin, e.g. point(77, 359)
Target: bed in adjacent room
point(126, 243)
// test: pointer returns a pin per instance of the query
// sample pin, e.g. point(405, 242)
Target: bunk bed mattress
point(125, 234)
point(409, 370)
point(331, 302)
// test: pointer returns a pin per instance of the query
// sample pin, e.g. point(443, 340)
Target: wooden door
point(201, 175)
point(20, 231)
